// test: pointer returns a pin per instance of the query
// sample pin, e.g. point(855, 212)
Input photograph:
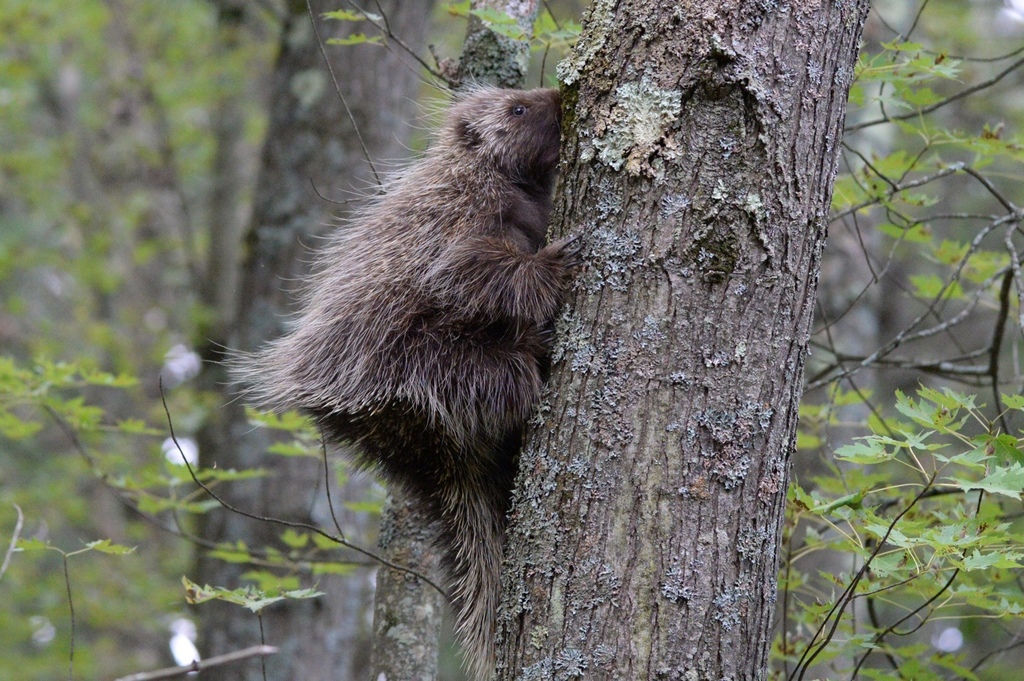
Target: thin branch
point(892, 628)
point(71, 609)
point(327, 485)
point(1010, 208)
point(257, 557)
point(199, 665)
point(958, 57)
point(392, 37)
point(997, 344)
point(908, 334)
point(938, 105)
point(785, 602)
point(324, 198)
point(1017, 277)
point(1017, 642)
point(955, 167)
point(14, 540)
point(873, 616)
point(344, 102)
point(984, 60)
point(263, 641)
point(917, 18)
point(942, 367)
point(836, 611)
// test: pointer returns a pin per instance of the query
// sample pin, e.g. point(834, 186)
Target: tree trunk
point(488, 57)
point(310, 142)
point(703, 141)
point(407, 612)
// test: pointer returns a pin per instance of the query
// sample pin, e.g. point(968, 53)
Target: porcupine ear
point(467, 134)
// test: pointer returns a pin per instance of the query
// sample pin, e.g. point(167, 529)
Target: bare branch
point(344, 102)
point(15, 535)
point(199, 665)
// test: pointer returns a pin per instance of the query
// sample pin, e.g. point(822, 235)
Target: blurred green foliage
point(106, 158)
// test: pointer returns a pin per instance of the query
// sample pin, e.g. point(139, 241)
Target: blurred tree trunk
point(703, 142)
point(488, 57)
point(230, 177)
point(310, 142)
point(407, 612)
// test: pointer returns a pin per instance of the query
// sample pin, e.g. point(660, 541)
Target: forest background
point(132, 136)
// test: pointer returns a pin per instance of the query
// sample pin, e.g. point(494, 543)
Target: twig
point(257, 557)
point(808, 657)
point(386, 30)
point(71, 608)
point(908, 334)
point(198, 665)
point(327, 485)
point(14, 540)
point(938, 105)
point(892, 628)
point(949, 170)
point(344, 102)
point(997, 344)
point(324, 198)
point(263, 641)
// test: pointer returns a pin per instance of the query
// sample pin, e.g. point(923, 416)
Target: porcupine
point(424, 335)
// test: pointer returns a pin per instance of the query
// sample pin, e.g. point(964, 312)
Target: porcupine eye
point(518, 110)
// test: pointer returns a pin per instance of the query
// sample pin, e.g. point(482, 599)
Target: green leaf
point(364, 506)
point(294, 539)
point(500, 22)
point(301, 594)
point(355, 39)
point(974, 458)
point(292, 421)
point(105, 546)
point(332, 568)
point(865, 451)
point(33, 545)
point(919, 233)
point(930, 286)
point(1004, 447)
point(228, 474)
point(237, 553)
point(350, 15)
point(993, 559)
point(805, 441)
point(136, 427)
point(850, 500)
point(458, 9)
point(270, 583)
point(18, 427)
point(325, 543)
point(1008, 481)
point(293, 448)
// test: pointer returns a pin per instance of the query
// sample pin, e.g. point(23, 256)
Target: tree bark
point(311, 142)
point(702, 145)
point(407, 612)
point(499, 60)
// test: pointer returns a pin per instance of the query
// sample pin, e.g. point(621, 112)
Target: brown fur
point(424, 337)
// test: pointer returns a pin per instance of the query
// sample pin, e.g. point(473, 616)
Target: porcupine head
point(424, 331)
